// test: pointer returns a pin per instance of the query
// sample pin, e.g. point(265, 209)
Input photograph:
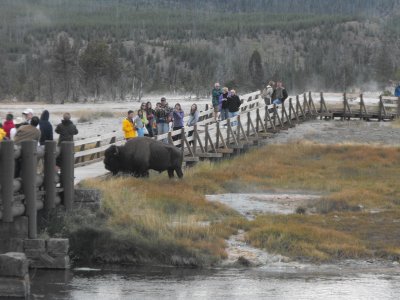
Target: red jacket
point(7, 126)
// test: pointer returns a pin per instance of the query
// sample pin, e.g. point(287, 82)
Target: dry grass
point(167, 215)
point(88, 116)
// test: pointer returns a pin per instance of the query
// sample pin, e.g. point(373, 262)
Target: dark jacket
point(215, 96)
point(281, 95)
point(66, 129)
point(46, 129)
point(234, 103)
point(163, 114)
point(224, 103)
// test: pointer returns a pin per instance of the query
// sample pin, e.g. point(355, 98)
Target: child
point(139, 123)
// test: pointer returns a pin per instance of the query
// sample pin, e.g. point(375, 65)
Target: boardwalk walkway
point(255, 123)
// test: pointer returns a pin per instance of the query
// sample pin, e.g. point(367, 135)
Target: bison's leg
point(171, 173)
point(179, 172)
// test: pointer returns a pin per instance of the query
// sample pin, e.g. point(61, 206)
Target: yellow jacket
point(129, 129)
point(2, 134)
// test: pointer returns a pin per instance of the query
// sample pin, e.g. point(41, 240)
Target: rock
point(36, 244)
point(11, 287)
point(242, 261)
point(57, 247)
point(13, 264)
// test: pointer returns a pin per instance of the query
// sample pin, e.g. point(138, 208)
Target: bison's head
point(112, 160)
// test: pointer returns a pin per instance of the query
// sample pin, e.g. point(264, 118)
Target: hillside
point(64, 50)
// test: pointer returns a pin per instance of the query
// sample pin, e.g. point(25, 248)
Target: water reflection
point(172, 283)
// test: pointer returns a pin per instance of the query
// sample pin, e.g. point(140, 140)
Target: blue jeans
point(277, 101)
point(231, 115)
point(161, 129)
point(224, 114)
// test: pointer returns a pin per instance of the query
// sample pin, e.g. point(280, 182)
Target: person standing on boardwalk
point(267, 92)
point(144, 118)
point(28, 115)
point(280, 94)
point(46, 129)
point(66, 129)
point(193, 118)
point(138, 121)
point(224, 103)
point(163, 116)
point(177, 116)
point(8, 125)
point(150, 118)
point(397, 90)
point(216, 92)
point(28, 132)
point(128, 127)
point(3, 133)
point(234, 105)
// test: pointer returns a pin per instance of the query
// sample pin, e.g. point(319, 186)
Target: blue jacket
point(397, 91)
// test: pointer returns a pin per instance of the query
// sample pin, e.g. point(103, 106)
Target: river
point(224, 283)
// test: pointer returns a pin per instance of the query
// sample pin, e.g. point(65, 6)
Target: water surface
point(256, 283)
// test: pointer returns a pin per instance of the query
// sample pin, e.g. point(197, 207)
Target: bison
point(140, 154)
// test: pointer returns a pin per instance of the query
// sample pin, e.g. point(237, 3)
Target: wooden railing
point(26, 187)
point(255, 121)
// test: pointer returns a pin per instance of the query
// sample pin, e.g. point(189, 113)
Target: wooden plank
point(225, 151)
point(209, 155)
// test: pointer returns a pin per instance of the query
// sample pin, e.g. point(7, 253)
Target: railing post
point(398, 107)
point(67, 173)
point(321, 97)
point(7, 163)
point(217, 136)
point(248, 124)
point(28, 169)
point(361, 106)
point(183, 136)
point(195, 136)
point(206, 138)
point(50, 174)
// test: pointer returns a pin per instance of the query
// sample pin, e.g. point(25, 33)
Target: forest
point(71, 50)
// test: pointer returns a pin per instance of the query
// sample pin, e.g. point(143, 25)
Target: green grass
point(163, 221)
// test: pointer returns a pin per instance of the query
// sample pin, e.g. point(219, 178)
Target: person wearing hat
point(163, 117)
point(28, 114)
point(28, 132)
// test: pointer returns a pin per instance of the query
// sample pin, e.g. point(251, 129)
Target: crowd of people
point(146, 121)
point(151, 122)
point(31, 127)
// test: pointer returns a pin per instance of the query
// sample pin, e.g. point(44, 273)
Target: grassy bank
point(169, 221)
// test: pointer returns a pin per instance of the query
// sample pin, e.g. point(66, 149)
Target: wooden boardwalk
point(256, 121)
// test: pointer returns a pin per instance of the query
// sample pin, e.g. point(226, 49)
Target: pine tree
point(256, 69)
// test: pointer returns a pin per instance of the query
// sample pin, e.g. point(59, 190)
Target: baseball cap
point(28, 111)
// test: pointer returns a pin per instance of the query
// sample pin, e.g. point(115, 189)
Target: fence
point(209, 139)
point(29, 180)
